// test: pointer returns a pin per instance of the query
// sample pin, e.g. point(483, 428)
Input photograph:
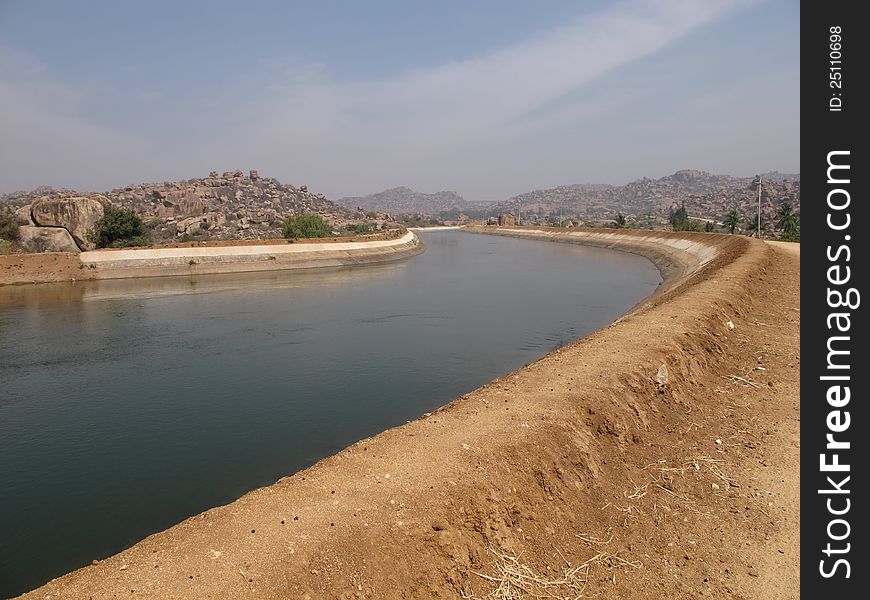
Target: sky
point(487, 98)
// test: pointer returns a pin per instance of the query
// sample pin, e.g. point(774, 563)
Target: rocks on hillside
point(227, 206)
point(649, 201)
point(23, 216)
point(78, 215)
point(231, 205)
point(46, 239)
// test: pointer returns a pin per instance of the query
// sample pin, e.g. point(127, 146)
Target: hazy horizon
point(488, 100)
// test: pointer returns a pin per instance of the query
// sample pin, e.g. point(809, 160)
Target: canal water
point(129, 405)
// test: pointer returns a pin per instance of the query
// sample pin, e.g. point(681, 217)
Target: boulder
point(23, 216)
point(46, 239)
point(189, 225)
point(507, 219)
point(77, 214)
point(164, 211)
point(215, 219)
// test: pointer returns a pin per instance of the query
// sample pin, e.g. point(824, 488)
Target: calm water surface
point(127, 406)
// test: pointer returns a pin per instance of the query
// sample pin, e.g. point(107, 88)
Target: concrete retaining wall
point(155, 262)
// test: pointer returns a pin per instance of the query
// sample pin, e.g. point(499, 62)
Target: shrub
point(359, 228)
point(619, 222)
point(8, 225)
point(139, 240)
point(305, 226)
point(119, 228)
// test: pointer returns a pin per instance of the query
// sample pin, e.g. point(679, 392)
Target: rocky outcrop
point(23, 216)
point(231, 205)
point(507, 220)
point(234, 205)
point(77, 214)
point(46, 239)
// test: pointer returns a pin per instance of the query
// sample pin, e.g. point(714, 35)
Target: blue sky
point(486, 98)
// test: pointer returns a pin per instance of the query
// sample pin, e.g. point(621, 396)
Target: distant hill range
point(232, 205)
point(402, 200)
point(647, 202)
point(237, 205)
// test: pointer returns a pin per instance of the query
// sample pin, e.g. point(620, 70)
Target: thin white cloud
point(494, 89)
point(384, 126)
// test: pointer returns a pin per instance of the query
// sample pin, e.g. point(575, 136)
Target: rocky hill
point(402, 200)
point(233, 205)
point(648, 202)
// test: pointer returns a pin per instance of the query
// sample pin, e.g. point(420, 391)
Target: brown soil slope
point(45, 267)
point(656, 458)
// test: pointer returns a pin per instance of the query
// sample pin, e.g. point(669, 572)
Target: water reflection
point(44, 296)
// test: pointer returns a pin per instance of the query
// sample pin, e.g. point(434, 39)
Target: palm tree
point(752, 226)
point(619, 222)
point(786, 219)
point(732, 221)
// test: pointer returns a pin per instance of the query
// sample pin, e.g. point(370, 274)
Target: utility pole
point(758, 223)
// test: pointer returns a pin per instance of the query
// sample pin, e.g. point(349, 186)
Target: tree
point(119, 228)
point(692, 225)
point(619, 222)
point(795, 234)
point(305, 226)
point(752, 226)
point(680, 218)
point(787, 221)
point(8, 224)
point(732, 221)
point(709, 226)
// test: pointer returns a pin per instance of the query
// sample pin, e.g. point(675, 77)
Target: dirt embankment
point(656, 458)
point(206, 258)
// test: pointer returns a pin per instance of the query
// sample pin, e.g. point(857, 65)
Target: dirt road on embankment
point(657, 458)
